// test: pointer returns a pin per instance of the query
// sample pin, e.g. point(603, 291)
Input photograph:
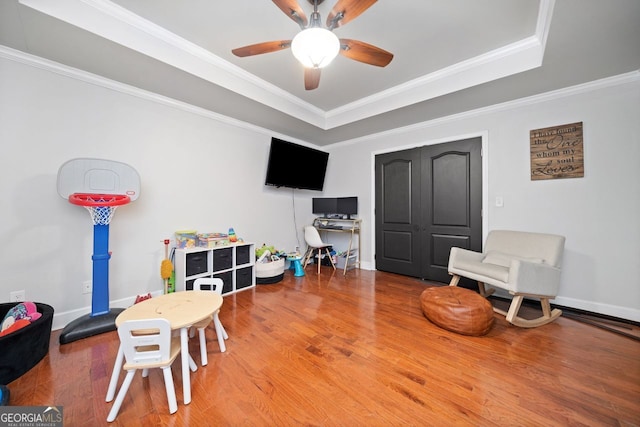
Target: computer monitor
point(324, 206)
point(347, 206)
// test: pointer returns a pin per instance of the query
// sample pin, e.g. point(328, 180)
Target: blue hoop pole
point(101, 256)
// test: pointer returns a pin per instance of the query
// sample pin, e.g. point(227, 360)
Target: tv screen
point(295, 166)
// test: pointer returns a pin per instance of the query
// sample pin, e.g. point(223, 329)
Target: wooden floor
point(356, 351)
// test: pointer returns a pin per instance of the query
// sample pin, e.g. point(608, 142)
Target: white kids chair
point(147, 344)
point(214, 285)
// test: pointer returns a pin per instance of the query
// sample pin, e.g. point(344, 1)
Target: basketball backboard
point(98, 176)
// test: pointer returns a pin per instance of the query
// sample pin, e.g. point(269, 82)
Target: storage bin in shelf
point(234, 264)
point(344, 261)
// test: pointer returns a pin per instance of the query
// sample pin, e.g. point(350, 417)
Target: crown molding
point(113, 22)
point(619, 80)
point(86, 77)
point(96, 80)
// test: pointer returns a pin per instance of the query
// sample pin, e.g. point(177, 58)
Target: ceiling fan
point(316, 45)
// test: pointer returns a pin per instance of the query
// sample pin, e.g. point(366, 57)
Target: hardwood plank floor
point(333, 351)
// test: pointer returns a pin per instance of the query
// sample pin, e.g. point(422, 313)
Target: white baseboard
point(626, 313)
point(60, 320)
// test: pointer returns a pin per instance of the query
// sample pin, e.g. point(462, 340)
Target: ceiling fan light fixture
point(315, 47)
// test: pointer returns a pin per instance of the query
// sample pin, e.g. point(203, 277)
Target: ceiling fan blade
point(260, 48)
point(364, 52)
point(347, 10)
point(311, 78)
point(293, 10)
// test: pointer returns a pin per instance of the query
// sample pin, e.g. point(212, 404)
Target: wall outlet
point(87, 287)
point(17, 296)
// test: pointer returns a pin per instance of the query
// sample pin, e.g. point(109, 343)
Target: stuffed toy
point(18, 324)
point(18, 317)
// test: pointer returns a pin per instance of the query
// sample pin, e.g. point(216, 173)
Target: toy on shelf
point(211, 240)
point(186, 238)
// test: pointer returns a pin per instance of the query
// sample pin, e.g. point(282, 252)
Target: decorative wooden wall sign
point(556, 152)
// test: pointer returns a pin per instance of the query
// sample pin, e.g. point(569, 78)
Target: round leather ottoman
point(457, 309)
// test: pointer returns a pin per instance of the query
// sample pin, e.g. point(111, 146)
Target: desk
point(181, 309)
point(336, 225)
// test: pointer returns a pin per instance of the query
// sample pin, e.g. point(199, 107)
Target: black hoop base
point(87, 326)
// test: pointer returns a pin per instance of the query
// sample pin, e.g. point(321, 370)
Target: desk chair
point(215, 285)
point(147, 344)
point(314, 242)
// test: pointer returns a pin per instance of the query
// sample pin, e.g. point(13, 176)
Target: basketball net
point(101, 207)
point(101, 215)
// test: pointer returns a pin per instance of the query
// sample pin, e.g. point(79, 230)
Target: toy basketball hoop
point(100, 186)
point(101, 207)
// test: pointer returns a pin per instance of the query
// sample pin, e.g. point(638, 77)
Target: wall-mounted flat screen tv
point(295, 166)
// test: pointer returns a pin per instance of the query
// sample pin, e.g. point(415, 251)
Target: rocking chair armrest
point(459, 257)
point(534, 278)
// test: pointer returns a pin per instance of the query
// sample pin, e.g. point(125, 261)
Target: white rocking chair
point(522, 263)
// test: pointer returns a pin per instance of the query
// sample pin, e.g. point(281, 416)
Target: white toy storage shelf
point(233, 263)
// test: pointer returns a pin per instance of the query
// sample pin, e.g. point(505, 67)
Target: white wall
point(196, 172)
point(204, 172)
point(599, 214)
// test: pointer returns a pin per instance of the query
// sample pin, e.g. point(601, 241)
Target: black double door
point(427, 200)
